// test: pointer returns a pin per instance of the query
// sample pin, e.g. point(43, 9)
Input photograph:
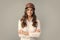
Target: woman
point(29, 25)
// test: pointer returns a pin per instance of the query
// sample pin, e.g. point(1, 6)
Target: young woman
point(29, 25)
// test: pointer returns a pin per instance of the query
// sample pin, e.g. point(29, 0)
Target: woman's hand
point(37, 30)
point(19, 31)
point(23, 32)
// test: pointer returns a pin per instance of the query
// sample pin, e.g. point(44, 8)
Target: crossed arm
point(30, 34)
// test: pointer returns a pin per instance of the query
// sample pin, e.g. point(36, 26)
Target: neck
point(29, 18)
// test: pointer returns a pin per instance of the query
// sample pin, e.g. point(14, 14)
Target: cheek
point(31, 12)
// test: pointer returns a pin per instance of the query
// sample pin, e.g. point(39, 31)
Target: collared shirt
point(32, 35)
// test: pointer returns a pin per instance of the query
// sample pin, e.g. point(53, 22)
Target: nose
point(29, 11)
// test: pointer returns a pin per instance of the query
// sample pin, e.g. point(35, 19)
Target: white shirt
point(32, 35)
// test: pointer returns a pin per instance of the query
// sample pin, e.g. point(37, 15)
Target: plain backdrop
point(47, 11)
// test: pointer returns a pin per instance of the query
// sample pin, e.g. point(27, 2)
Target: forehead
point(29, 8)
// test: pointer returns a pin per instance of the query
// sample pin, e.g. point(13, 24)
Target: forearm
point(35, 34)
point(30, 34)
point(23, 32)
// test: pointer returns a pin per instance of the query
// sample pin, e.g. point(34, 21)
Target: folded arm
point(35, 34)
point(30, 34)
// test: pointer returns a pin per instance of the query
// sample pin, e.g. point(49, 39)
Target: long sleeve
point(20, 28)
point(36, 34)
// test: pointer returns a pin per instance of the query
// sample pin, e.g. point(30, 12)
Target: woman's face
point(29, 11)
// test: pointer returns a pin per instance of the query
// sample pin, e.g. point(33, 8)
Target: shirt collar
point(30, 20)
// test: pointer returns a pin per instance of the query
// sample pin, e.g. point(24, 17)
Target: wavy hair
point(25, 16)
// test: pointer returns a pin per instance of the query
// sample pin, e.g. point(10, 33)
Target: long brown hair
point(25, 16)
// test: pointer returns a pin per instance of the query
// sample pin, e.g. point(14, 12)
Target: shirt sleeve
point(36, 34)
point(20, 28)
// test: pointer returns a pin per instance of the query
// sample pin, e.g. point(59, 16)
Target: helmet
point(30, 5)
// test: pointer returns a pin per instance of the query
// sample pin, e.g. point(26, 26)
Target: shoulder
point(19, 20)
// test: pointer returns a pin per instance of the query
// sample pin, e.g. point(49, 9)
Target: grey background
point(48, 12)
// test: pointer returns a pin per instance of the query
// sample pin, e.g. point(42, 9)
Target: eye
point(31, 9)
point(27, 9)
